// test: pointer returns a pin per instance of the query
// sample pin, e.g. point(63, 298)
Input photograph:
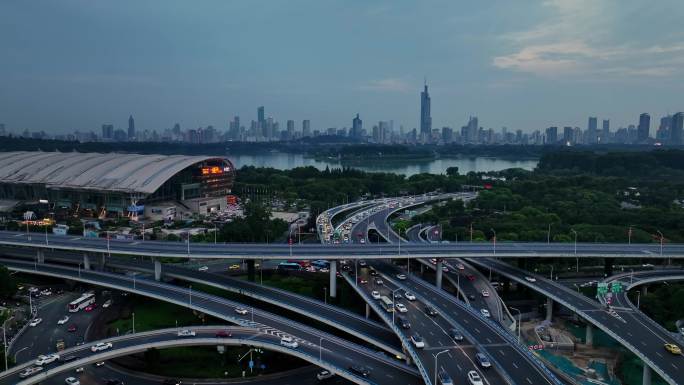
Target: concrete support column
point(103, 261)
point(406, 355)
point(422, 267)
point(368, 310)
point(333, 279)
point(86, 262)
point(438, 273)
point(250, 270)
point(40, 256)
point(644, 290)
point(549, 309)
point(157, 270)
point(646, 379)
point(589, 338)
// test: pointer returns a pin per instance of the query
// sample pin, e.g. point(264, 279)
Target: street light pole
point(661, 242)
point(320, 349)
point(190, 294)
point(576, 258)
point(437, 355)
point(394, 309)
point(551, 272)
point(638, 298)
point(494, 231)
point(548, 235)
point(325, 295)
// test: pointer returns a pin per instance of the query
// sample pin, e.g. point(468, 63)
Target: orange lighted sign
point(211, 170)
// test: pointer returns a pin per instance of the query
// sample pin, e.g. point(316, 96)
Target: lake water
point(285, 161)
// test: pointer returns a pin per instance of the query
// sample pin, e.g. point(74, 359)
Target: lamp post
point(638, 298)
point(551, 278)
point(190, 294)
point(494, 231)
point(4, 339)
point(215, 231)
point(661, 242)
point(437, 355)
point(576, 258)
point(394, 309)
point(188, 239)
point(631, 276)
point(548, 235)
point(133, 323)
point(519, 320)
point(325, 295)
point(320, 348)
point(629, 235)
point(79, 270)
point(109, 253)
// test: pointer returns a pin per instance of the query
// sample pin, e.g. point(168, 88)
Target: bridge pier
point(251, 271)
point(40, 256)
point(333, 279)
point(438, 273)
point(368, 310)
point(549, 309)
point(157, 270)
point(422, 268)
point(646, 378)
point(86, 261)
point(644, 290)
point(102, 262)
point(589, 337)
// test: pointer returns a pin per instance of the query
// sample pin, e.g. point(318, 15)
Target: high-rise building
point(108, 131)
point(592, 127)
point(131, 128)
point(471, 130)
point(357, 127)
point(551, 135)
point(676, 128)
point(2, 129)
point(290, 129)
point(306, 128)
point(644, 129)
point(425, 117)
point(568, 135)
point(261, 117)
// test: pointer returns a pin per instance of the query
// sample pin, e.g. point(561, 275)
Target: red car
point(72, 328)
point(471, 277)
point(223, 334)
point(90, 307)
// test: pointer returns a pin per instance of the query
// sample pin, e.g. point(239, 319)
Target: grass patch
point(153, 315)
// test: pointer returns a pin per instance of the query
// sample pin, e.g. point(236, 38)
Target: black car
point(114, 381)
point(429, 310)
point(456, 334)
point(69, 358)
point(360, 370)
point(403, 322)
point(471, 297)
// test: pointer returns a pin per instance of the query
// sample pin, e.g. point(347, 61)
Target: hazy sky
point(76, 64)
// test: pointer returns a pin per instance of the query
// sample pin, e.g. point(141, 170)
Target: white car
point(203, 268)
point(241, 310)
point(401, 308)
point(46, 359)
point(63, 320)
point(324, 375)
point(485, 293)
point(401, 277)
point(417, 341)
point(460, 266)
point(530, 279)
point(485, 313)
point(288, 342)
point(409, 296)
point(99, 364)
point(46, 292)
point(35, 322)
point(72, 381)
point(30, 371)
point(474, 378)
point(101, 346)
point(107, 303)
point(186, 333)
point(375, 294)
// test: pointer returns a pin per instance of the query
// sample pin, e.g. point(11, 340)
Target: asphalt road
point(384, 369)
point(630, 327)
point(340, 251)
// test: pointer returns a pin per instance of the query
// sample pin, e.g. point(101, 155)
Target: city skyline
point(535, 65)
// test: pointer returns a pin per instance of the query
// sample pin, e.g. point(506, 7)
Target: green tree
point(8, 286)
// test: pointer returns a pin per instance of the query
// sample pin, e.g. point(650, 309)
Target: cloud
point(386, 85)
point(586, 38)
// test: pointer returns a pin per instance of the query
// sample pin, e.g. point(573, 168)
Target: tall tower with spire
point(425, 118)
point(131, 128)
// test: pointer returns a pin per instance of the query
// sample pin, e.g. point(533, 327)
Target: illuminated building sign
point(212, 170)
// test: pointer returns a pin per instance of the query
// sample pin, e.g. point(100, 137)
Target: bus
point(387, 304)
point(289, 266)
point(82, 302)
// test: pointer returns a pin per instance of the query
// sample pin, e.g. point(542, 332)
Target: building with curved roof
point(114, 182)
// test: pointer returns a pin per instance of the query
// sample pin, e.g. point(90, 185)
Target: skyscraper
point(261, 117)
point(644, 129)
point(306, 128)
point(552, 135)
point(107, 131)
point(676, 128)
point(131, 128)
point(425, 118)
point(591, 130)
point(357, 127)
point(471, 130)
